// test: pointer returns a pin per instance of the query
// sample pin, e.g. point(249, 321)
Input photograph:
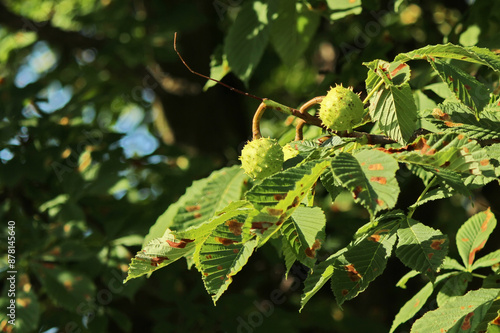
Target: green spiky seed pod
point(341, 109)
point(261, 158)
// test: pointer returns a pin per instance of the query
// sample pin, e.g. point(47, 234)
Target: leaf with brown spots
point(488, 260)
point(461, 83)
point(459, 314)
point(304, 234)
point(455, 285)
point(416, 303)
point(362, 262)
point(202, 200)
point(476, 230)
point(292, 185)
point(370, 176)
point(420, 247)
point(222, 254)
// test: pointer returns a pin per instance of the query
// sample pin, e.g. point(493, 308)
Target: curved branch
point(298, 129)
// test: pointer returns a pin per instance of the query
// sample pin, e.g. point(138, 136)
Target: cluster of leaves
point(218, 223)
point(75, 73)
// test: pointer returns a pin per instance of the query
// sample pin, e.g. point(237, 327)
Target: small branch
point(300, 125)
point(256, 121)
point(209, 78)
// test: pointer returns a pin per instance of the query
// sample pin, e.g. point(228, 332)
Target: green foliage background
point(102, 128)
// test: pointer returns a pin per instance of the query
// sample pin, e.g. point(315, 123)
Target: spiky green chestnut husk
point(341, 109)
point(261, 158)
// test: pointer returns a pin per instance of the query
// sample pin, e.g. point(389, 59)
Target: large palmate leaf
point(465, 87)
point(304, 233)
point(174, 245)
point(247, 39)
point(27, 315)
point(461, 314)
point(420, 247)
point(278, 196)
point(292, 28)
point(454, 117)
point(470, 54)
point(200, 202)
point(395, 111)
point(473, 234)
point(364, 260)
point(223, 254)
point(370, 176)
point(413, 306)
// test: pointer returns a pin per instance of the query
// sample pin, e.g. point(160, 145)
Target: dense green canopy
point(102, 127)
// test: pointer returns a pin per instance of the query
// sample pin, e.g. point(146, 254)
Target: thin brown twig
point(209, 78)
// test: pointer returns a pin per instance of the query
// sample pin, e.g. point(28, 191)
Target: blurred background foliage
point(102, 127)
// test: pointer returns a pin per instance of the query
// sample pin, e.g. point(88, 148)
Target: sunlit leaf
point(420, 247)
point(473, 234)
point(461, 314)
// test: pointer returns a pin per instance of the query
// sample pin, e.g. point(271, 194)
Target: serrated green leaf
point(304, 233)
point(222, 255)
point(200, 202)
point(487, 261)
point(454, 117)
point(420, 247)
point(364, 260)
point(456, 285)
point(450, 152)
point(450, 178)
point(370, 176)
point(465, 87)
point(318, 277)
point(449, 51)
point(491, 319)
point(413, 306)
point(278, 196)
point(442, 192)
point(450, 263)
point(293, 26)
point(247, 39)
point(288, 254)
point(395, 111)
point(342, 8)
point(331, 184)
point(473, 234)
point(173, 245)
point(461, 314)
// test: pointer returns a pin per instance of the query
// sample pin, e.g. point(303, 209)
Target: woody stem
point(298, 129)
